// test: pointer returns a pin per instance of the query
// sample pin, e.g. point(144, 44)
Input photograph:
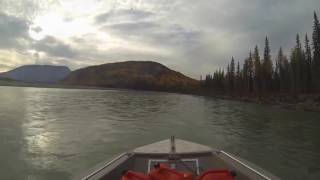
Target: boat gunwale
point(245, 165)
point(106, 165)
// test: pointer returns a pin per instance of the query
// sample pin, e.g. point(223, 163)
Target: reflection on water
point(57, 133)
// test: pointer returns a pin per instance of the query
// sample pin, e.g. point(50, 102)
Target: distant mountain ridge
point(48, 74)
point(146, 75)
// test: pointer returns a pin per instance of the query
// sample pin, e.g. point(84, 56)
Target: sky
point(193, 37)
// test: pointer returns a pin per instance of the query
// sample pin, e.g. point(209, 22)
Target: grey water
point(59, 133)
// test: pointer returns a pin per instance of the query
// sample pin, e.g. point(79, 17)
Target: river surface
point(58, 133)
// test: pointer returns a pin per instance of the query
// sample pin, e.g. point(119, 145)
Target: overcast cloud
point(194, 37)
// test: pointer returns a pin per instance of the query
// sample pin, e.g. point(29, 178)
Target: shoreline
point(304, 102)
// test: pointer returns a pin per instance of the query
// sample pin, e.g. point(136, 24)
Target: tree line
point(300, 73)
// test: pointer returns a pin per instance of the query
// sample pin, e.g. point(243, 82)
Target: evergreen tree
point(297, 66)
point(267, 68)
point(250, 73)
point(283, 71)
point(228, 78)
point(232, 74)
point(238, 71)
point(308, 65)
point(245, 76)
point(276, 76)
point(293, 70)
point(207, 81)
point(316, 53)
point(286, 74)
point(238, 79)
point(257, 70)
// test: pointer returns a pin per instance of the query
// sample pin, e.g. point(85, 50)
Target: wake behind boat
point(177, 159)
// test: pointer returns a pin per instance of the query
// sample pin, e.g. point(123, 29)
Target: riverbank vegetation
point(279, 78)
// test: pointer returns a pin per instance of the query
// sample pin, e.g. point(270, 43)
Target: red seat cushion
point(131, 175)
point(165, 173)
point(216, 175)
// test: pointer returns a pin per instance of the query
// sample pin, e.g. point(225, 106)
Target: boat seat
point(162, 172)
point(131, 175)
point(217, 175)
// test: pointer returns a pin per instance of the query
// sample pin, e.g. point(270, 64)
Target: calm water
point(57, 133)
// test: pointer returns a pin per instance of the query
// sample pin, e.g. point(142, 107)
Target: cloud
point(54, 47)
point(122, 15)
point(36, 29)
point(153, 34)
point(247, 22)
point(13, 32)
point(194, 37)
point(27, 9)
point(132, 27)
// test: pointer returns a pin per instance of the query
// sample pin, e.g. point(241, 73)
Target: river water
point(58, 133)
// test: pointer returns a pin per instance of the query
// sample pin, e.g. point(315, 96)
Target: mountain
point(37, 73)
point(145, 75)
